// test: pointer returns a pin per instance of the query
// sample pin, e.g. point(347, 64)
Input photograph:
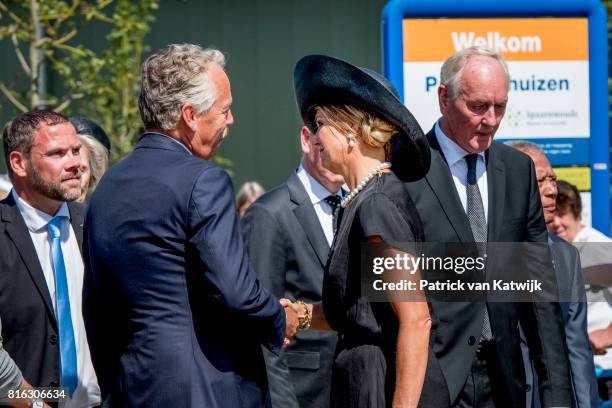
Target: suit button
point(53, 339)
point(528, 387)
point(471, 340)
point(54, 384)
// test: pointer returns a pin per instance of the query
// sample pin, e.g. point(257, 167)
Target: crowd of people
point(166, 290)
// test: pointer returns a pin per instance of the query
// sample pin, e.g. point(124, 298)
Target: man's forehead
point(483, 64)
point(482, 71)
point(47, 132)
point(57, 128)
point(545, 172)
point(538, 157)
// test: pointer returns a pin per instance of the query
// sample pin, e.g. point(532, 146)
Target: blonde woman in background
point(5, 186)
point(247, 194)
point(94, 155)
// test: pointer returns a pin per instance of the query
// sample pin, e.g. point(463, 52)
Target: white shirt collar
point(35, 219)
point(316, 192)
point(451, 150)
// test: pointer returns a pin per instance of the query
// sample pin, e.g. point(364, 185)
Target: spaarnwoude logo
point(545, 115)
point(513, 117)
point(559, 118)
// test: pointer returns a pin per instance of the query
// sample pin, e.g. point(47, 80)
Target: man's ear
point(305, 136)
point(443, 99)
point(18, 163)
point(189, 116)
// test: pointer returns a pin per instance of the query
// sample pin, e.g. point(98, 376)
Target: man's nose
point(74, 162)
point(489, 117)
point(550, 189)
point(230, 118)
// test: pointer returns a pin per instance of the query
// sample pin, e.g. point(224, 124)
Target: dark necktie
point(68, 355)
point(478, 224)
point(334, 202)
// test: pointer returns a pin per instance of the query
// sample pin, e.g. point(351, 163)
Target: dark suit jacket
point(29, 326)
point(174, 314)
point(574, 309)
point(288, 250)
point(514, 215)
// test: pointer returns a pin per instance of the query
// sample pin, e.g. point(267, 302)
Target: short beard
point(51, 189)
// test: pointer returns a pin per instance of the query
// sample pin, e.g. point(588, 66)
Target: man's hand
point(292, 321)
point(601, 339)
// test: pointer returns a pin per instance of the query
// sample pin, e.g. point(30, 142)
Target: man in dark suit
point(41, 232)
point(288, 232)
point(572, 295)
point(173, 311)
point(480, 191)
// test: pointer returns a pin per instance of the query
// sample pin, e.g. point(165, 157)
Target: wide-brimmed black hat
point(85, 126)
point(322, 80)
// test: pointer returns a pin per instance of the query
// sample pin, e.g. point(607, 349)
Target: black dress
point(364, 365)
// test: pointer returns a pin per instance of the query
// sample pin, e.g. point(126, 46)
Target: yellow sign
point(578, 176)
point(517, 39)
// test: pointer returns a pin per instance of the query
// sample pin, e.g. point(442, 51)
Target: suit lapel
point(307, 217)
point(18, 233)
point(77, 217)
point(441, 182)
point(496, 183)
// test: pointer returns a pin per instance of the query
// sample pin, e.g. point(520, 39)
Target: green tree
point(47, 38)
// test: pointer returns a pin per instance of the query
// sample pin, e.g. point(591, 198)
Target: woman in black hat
point(365, 133)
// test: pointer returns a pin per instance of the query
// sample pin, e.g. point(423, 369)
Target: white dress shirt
point(455, 157)
point(317, 193)
point(590, 234)
point(594, 248)
point(87, 393)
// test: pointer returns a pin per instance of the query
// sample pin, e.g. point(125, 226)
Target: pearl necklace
point(346, 200)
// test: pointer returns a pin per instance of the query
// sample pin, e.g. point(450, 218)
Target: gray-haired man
point(173, 310)
point(478, 190)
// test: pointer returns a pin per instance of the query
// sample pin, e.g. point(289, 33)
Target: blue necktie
point(68, 355)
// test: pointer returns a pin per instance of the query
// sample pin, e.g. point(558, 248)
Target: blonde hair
point(370, 128)
point(98, 159)
point(249, 191)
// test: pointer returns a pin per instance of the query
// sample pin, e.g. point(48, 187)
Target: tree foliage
point(101, 84)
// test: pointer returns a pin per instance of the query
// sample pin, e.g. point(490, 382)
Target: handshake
point(299, 317)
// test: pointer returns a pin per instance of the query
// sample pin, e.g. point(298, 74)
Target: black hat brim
point(85, 126)
point(321, 80)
